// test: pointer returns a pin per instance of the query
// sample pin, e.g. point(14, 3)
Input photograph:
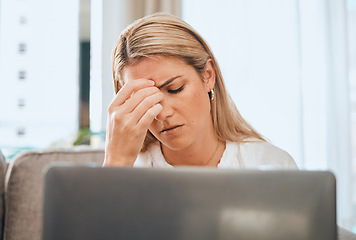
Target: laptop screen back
point(188, 203)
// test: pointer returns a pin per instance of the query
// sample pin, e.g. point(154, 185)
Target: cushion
point(24, 188)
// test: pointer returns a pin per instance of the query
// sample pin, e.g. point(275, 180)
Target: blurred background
point(289, 65)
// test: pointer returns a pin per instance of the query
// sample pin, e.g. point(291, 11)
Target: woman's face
point(185, 119)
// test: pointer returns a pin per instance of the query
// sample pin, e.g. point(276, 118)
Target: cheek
point(198, 105)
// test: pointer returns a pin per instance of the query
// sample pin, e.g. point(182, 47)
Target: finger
point(146, 104)
point(129, 88)
point(149, 115)
point(131, 104)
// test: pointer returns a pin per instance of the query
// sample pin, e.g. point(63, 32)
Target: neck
point(207, 153)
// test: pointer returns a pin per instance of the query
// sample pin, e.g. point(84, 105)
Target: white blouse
point(244, 155)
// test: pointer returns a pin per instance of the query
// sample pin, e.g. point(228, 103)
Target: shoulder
point(263, 154)
point(145, 159)
point(152, 157)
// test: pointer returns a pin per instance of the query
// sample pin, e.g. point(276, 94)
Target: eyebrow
point(169, 81)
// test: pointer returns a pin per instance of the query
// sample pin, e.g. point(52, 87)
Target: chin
point(176, 144)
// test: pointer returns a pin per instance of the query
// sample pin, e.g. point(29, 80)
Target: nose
point(167, 110)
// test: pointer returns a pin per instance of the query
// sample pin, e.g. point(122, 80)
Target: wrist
point(117, 162)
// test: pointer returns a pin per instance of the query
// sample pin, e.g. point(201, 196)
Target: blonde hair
point(166, 35)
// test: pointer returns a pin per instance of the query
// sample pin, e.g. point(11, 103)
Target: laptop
point(83, 202)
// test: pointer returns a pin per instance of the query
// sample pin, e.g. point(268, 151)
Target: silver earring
point(211, 95)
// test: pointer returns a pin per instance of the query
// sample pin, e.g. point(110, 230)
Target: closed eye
point(176, 90)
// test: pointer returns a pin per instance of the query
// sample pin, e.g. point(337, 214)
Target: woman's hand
point(129, 115)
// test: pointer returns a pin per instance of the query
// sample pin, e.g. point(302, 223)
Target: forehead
point(157, 68)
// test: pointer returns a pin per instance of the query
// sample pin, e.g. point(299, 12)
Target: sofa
point(21, 186)
point(24, 188)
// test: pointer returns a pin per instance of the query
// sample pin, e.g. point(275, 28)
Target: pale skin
point(170, 99)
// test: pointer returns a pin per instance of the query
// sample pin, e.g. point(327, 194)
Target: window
point(22, 48)
point(22, 75)
point(21, 103)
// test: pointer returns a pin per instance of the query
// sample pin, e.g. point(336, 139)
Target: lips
point(171, 129)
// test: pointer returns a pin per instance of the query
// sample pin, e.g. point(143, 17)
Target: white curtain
point(285, 64)
point(108, 19)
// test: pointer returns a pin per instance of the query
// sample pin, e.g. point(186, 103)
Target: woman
point(172, 107)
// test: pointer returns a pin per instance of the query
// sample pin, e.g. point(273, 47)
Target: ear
point(208, 75)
